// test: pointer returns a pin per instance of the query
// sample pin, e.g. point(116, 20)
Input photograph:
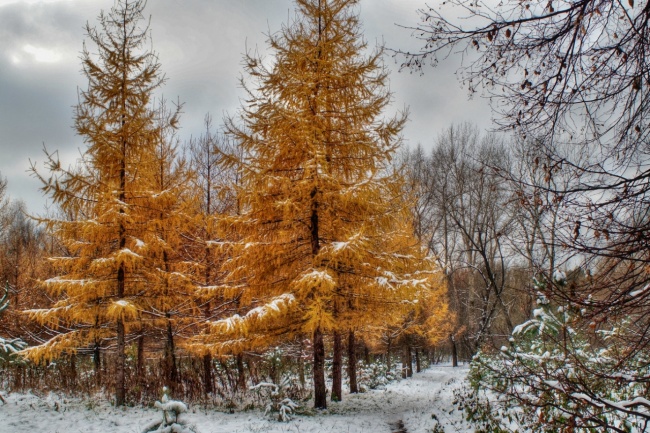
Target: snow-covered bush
point(376, 375)
point(560, 373)
point(8, 347)
point(171, 422)
point(277, 404)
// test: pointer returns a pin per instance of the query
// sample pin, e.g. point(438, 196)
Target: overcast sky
point(200, 45)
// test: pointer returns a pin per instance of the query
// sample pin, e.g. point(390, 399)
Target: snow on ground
point(417, 402)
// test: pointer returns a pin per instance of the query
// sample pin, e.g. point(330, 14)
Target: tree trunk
point(352, 363)
point(418, 364)
point(404, 361)
point(171, 371)
point(320, 392)
point(208, 377)
point(409, 360)
point(366, 354)
point(140, 363)
point(388, 356)
point(241, 378)
point(252, 370)
point(97, 363)
point(337, 368)
point(73, 370)
point(454, 352)
point(120, 366)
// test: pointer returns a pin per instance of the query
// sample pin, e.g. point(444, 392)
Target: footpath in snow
point(414, 405)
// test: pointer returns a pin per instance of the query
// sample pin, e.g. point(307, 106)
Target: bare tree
point(462, 212)
point(575, 73)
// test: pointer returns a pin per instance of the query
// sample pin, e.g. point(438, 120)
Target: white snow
point(256, 314)
point(123, 303)
point(127, 252)
point(416, 402)
point(640, 292)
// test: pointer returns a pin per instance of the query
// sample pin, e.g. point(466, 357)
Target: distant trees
point(570, 78)
point(22, 247)
point(466, 216)
point(323, 242)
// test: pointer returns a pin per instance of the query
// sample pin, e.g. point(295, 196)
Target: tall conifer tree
point(100, 285)
point(212, 187)
point(326, 243)
point(168, 217)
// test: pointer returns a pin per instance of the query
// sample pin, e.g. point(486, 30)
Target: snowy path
point(411, 406)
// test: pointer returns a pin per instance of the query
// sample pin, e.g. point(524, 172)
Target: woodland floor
point(414, 405)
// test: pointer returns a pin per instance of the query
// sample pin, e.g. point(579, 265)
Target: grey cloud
point(200, 44)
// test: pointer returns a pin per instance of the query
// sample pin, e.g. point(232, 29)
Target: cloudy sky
point(200, 45)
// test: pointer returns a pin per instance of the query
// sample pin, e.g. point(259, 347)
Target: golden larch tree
point(101, 283)
point(212, 188)
point(324, 242)
point(170, 211)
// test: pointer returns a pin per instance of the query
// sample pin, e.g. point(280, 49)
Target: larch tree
point(169, 213)
point(325, 242)
point(100, 284)
point(213, 187)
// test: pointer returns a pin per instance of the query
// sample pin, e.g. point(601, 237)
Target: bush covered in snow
point(171, 422)
point(278, 405)
point(8, 346)
point(561, 374)
point(376, 375)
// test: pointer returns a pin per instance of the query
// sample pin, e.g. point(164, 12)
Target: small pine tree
point(8, 347)
point(171, 412)
point(539, 387)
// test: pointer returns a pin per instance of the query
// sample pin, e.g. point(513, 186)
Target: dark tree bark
point(320, 391)
point(337, 368)
point(97, 363)
point(208, 376)
point(73, 370)
point(171, 370)
point(418, 364)
point(352, 363)
point(140, 362)
point(120, 364)
point(241, 377)
point(454, 352)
